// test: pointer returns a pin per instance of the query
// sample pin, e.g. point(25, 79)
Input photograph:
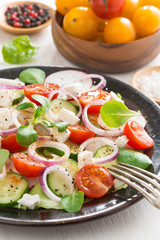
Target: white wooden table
point(140, 221)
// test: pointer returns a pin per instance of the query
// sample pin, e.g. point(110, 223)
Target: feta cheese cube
point(121, 141)
point(85, 158)
point(115, 97)
point(118, 184)
point(29, 201)
point(67, 116)
point(76, 89)
point(5, 118)
point(60, 137)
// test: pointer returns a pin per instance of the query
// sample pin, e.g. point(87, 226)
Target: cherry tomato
point(64, 6)
point(27, 166)
point(114, 8)
point(94, 181)
point(155, 3)
point(130, 7)
point(146, 20)
point(80, 22)
point(10, 143)
point(42, 89)
point(119, 30)
point(91, 96)
point(80, 133)
point(137, 135)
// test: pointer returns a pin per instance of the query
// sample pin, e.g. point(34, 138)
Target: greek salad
point(59, 134)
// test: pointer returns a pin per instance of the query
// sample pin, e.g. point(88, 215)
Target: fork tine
point(130, 169)
point(148, 196)
point(136, 180)
point(140, 170)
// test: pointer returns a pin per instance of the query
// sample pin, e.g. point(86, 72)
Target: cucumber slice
point(58, 104)
point(58, 184)
point(45, 202)
point(12, 187)
point(74, 149)
point(71, 166)
point(103, 152)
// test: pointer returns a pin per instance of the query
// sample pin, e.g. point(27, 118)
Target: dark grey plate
point(111, 203)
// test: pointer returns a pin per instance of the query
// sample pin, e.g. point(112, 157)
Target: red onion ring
point(45, 138)
point(96, 142)
point(8, 131)
point(3, 173)
point(100, 85)
point(15, 118)
point(44, 185)
point(11, 84)
point(105, 133)
point(51, 94)
point(49, 161)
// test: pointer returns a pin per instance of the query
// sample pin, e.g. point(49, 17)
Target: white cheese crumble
point(85, 158)
point(60, 137)
point(121, 141)
point(76, 89)
point(68, 116)
point(5, 118)
point(29, 201)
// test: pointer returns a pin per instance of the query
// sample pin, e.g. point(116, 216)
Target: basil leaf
point(43, 101)
point(4, 156)
point(114, 113)
point(62, 126)
point(26, 105)
point(134, 158)
point(32, 75)
point(18, 50)
point(26, 135)
point(38, 112)
point(73, 202)
point(18, 100)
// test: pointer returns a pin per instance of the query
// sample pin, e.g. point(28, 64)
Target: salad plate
point(113, 202)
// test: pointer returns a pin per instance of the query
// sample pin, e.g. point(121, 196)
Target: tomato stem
point(105, 3)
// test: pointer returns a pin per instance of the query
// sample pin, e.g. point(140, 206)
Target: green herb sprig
point(114, 114)
point(26, 134)
point(73, 202)
point(18, 50)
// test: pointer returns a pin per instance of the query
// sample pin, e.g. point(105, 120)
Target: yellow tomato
point(146, 20)
point(98, 37)
point(64, 6)
point(80, 22)
point(130, 7)
point(119, 30)
point(155, 3)
point(101, 25)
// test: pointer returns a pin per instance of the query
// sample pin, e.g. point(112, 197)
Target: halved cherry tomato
point(94, 181)
point(137, 135)
point(94, 95)
point(26, 165)
point(80, 133)
point(42, 89)
point(10, 143)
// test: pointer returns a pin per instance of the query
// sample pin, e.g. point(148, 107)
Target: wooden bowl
point(144, 72)
point(101, 57)
point(5, 26)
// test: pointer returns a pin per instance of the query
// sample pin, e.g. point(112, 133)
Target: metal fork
point(147, 183)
